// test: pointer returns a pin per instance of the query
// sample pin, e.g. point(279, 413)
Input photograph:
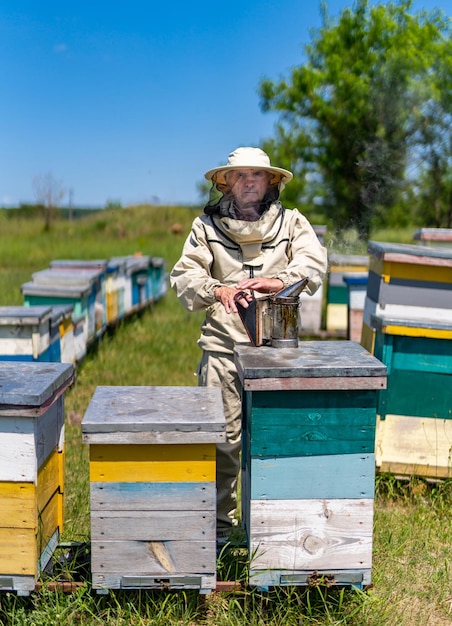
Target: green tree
point(347, 115)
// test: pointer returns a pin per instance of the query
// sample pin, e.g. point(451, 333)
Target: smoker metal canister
point(284, 322)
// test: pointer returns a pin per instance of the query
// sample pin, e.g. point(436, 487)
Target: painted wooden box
point(357, 288)
point(31, 469)
point(434, 237)
point(414, 429)
point(153, 489)
point(97, 272)
point(138, 269)
point(337, 293)
point(407, 282)
point(117, 284)
point(157, 279)
point(25, 333)
point(311, 307)
point(77, 295)
point(91, 279)
point(62, 316)
point(308, 461)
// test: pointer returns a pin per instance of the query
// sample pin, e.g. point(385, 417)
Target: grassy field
point(412, 562)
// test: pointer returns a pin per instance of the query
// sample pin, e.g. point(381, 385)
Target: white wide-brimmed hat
point(248, 158)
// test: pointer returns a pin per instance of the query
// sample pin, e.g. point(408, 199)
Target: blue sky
point(134, 101)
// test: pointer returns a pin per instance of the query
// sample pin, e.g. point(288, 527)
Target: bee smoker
point(273, 320)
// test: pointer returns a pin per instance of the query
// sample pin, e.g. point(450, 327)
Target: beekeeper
point(245, 240)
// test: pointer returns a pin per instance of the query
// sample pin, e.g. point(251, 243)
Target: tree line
point(365, 121)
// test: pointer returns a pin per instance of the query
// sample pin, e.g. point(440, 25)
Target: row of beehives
point(70, 305)
point(400, 310)
point(152, 472)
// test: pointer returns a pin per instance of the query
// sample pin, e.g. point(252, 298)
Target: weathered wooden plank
point(17, 505)
point(408, 446)
point(412, 328)
point(422, 314)
point(320, 384)
point(308, 423)
point(27, 388)
point(407, 292)
point(153, 558)
point(187, 411)
point(18, 551)
point(433, 235)
point(410, 253)
point(183, 525)
point(167, 463)
point(317, 534)
point(312, 359)
point(407, 270)
point(147, 438)
point(27, 442)
point(123, 496)
point(49, 520)
point(22, 503)
point(326, 476)
point(313, 441)
point(50, 478)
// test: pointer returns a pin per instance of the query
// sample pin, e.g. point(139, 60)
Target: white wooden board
point(316, 534)
point(410, 446)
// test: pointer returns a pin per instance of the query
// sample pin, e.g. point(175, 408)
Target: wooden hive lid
point(313, 365)
point(32, 386)
point(154, 414)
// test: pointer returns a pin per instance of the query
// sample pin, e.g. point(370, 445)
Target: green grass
point(412, 531)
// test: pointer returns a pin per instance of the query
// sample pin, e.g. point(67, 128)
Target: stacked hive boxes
point(308, 461)
point(31, 469)
point(153, 490)
point(407, 282)
point(408, 325)
point(414, 432)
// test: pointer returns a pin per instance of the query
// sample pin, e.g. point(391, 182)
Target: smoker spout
point(292, 290)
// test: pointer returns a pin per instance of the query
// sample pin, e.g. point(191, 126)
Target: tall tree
point(347, 114)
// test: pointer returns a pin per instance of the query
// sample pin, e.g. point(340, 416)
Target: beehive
point(93, 280)
point(308, 461)
point(441, 237)
point(414, 429)
point(25, 333)
point(407, 282)
point(357, 288)
point(31, 469)
point(153, 490)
